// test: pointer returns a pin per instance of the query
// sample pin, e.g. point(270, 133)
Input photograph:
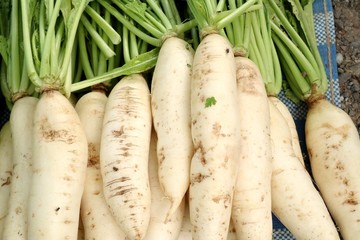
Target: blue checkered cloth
point(325, 35)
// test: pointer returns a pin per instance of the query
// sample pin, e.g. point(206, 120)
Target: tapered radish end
point(175, 203)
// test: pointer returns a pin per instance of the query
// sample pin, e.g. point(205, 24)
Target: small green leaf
point(210, 101)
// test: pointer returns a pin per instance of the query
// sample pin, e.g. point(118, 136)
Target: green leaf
point(138, 64)
point(210, 101)
point(4, 52)
point(138, 8)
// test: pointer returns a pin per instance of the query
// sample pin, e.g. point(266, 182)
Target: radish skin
point(290, 121)
point(185, 231)
point(6, 166)
point(295, 200)
point(334, 150)
point(81, 231)
point(124, 154)
point(162, 226)
point(98, 223)
point(21, 124)
point(215, 134)
point(170, 101)
point(251, 209)
point(60, 158)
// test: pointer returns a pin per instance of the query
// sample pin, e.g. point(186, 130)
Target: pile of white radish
point(194, 148)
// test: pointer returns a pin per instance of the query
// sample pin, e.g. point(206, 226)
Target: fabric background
point(325, 34)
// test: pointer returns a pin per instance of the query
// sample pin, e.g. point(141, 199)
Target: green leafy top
point(213, 16)
point(49, 30)
point(13, 75)
point(294, 36)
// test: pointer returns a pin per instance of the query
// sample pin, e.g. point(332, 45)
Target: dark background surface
point(347, 29)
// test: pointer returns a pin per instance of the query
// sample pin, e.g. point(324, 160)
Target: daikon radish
point(332, 139)
point(81, 231)
point(334, 150)
point(186, 227)
point(124, 153)
point(170, 100)
point(98, 223)
point(21, 124)
point(251, 208)
point(161, 226)
point(215, 131)
point(295, 200)
point(292, 126)
point(6, 166)
point(59, 168)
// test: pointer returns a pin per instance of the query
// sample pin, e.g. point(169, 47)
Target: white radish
point(295, 200)
point(162, 226)
point(215, 133)
point(98, 222)
point(124, 154)
point(292, 126)
point(185, 231)
point(170, 101)
point(81, 230)
point(21, 124)
point(251, 209)
point(59, 168)
point(232, 232)
point(186, 228)
point(6, 166)
point(334, 150)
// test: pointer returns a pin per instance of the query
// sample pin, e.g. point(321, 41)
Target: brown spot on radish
point(6, 182)
point(351, 200)
point(122, 191)
point(226, 198)
point(52, 135)
point(227, 50)
point(125, 154)
point(161, 155)
point(118, 133)
point(18, 210)
point(92, 226)
point(331, 130)
point(124, 179)
point(115, 169)
point(67, 178)
point(216, 128)
point(339, 166)
point(93, 155)
point(198, 178)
